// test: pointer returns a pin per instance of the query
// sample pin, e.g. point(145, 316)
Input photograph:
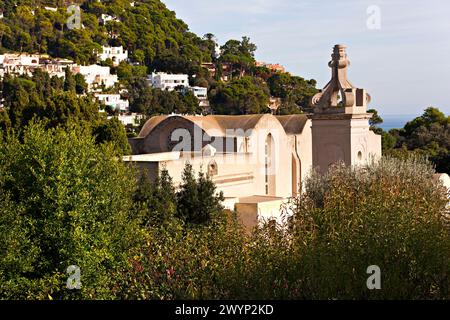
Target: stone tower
point(340, 122)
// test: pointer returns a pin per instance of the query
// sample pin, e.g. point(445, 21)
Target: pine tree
point(197, 200)
point(156, 202)
point(69, 81)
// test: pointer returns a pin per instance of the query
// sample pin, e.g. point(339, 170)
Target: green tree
point(428, 135)
point(240, 54)
point(140, 95)
point(64, 201)
point(156, 201)
point(197, 200)
point(191, 103)
point(81, 86)
point(69, 81)
point(241, 96)
point(112, 131)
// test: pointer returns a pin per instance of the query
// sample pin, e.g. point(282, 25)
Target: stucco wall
point(305, 150)
point(347, 140)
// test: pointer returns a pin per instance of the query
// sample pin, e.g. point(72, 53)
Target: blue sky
point(404, 65)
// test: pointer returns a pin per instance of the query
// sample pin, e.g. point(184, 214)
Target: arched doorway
point(270, 168)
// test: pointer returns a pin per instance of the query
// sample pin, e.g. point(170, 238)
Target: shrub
point(388, 214)
point(64, 201)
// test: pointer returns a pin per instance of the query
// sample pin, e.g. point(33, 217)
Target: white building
point(114, 101)
point(260, 161)
point(18, 64)
point(96, 76)
point(165, 81)
point(132, 119)
point(202, 95)
point(200, 92)
point(116, 54)
point(56, 67)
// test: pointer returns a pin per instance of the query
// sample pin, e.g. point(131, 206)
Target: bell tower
point(340, 122)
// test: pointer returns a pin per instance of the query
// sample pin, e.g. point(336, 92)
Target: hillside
point(156, 40)
point(151, 32)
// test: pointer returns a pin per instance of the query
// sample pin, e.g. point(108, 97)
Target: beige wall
point(304, 149)
point(241, 174)
point(257, 210)
point(348, 140)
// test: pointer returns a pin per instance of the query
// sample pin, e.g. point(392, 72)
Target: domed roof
point(217, 125)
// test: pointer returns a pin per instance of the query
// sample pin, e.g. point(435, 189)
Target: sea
point(395, 121)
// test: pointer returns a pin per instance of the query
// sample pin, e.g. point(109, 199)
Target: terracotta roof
point(216, 125)
point(244, 122)
point(150, 125)
point(293, 124)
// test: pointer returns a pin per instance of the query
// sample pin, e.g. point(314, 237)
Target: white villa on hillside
point(18, 64)
point(165, 81)
point(114, 101)
point(199, 92)
point(96, 76)
point(56, 67)
point(116, 54)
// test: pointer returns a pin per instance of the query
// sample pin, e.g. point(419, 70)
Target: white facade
point(132, 119)
point(116, 54)
point(200, 92)
point(96, 76)
point(114, 101)
point(57, 67)
point(17, 59)
point(260, 161)
point(165, 81)
point(18, 64)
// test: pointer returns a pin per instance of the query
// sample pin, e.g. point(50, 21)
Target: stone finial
point(339, 95)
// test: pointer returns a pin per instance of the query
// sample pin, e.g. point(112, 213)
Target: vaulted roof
point(216, 125)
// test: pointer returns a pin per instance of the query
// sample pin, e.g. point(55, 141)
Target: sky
point(399, 50)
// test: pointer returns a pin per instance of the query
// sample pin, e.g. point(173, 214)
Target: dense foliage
point(66, 200)
point(55, 101)
point(63, 202)
point(295, 92)
point(383, 214)
point(150, 31)
point(149, 101)
point(427, 135)
point(156, 41)
point(244, 95)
